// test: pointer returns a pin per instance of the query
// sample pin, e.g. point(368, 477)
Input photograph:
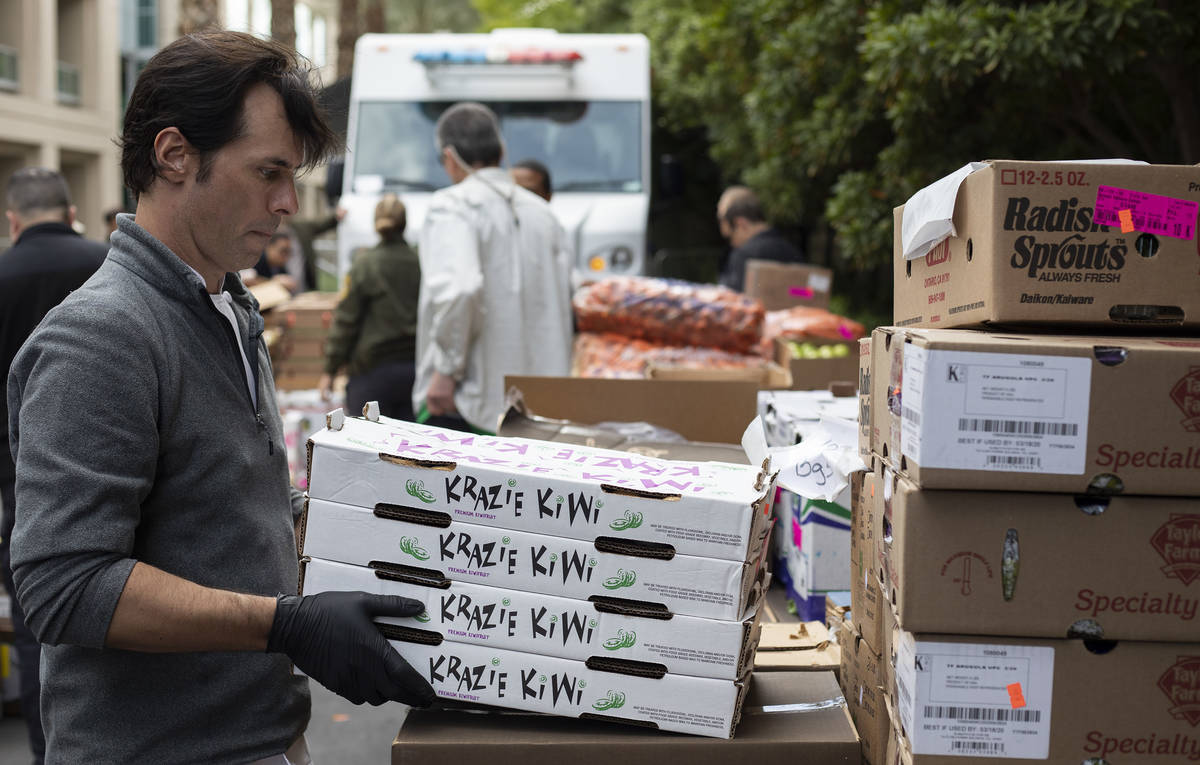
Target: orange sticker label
point(1015, 697)
point(1126, 218)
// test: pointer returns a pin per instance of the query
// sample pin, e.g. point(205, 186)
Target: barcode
point(983, 714)
point(984, 747)
point(1014, 462)
point(911, 415)
point(1019, 427)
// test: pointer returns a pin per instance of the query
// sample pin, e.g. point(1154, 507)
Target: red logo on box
point(1008, 177)
point(1186, 395)
point(1178, 542)
point(939, 254)
point(1181, 683)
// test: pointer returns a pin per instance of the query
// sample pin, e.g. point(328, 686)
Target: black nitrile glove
point(331, 638)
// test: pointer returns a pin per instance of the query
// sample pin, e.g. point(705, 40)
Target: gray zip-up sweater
point(136, 439)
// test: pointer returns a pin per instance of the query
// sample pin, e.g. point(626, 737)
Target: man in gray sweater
point(154, 550)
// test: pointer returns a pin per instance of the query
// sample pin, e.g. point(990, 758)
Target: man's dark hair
point(743, 203)
point(277, 236)
point(474, 132)
point(112, 214)
point(37, 189)
point(540, 169)
point(198, 84)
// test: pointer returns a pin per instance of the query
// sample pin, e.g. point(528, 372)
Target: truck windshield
point(587, 145)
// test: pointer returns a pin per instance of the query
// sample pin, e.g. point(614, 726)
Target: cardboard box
point(868, 609)
point(1030, 251)
point(789, 718)
point(308, 310)
point(707, 509)
point(788, 417)
point(786, 285)
point(837, 609)
point(464, 612)
point(1105, 415)
point(796, 646)
point(818, 374)
point(770, 376)
point(1040, 565)
point(518, 422)
point(462, 552)
point(1061, 701)
point(865, 422)
point(864, 680)
point(698, 410)
point(494, 676)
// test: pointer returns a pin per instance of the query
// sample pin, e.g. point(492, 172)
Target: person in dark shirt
point(47, 261)
point(374, 334)
point(533, 175)
point(742, 222)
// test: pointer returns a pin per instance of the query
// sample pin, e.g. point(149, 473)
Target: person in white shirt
point(495, 281)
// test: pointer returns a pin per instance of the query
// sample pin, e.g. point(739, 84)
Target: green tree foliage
point(843, 108)
point(838, 110)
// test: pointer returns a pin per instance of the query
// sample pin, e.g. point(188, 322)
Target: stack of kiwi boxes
point(556, 578)
point(1026, 542)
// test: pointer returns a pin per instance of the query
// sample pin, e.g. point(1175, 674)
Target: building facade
point(60, 99)
point(67, 68)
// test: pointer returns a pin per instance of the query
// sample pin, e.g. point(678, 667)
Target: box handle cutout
point(1099, 647)
point(417, 463)
point(642, 493)
point(1086, 629)
point(635, 548)
point(622, 720)
point(1092, 505)
point(1110, 355)
point(398, 572)
point(646, 608)
point(1010, 564)
point(1106, 484)
point(418, 515)
point(409, 634)
point(1146, 314)
point(648, 669)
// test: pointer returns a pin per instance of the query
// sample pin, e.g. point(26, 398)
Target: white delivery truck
point(578, 103)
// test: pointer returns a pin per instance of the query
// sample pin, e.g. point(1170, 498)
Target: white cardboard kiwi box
point(1052, 243)
point(1058, 701)
point(710, 509)
point(1039, 565)
point(464, 612)
point(485, 674)
point(1066, 413)
point(430, 544)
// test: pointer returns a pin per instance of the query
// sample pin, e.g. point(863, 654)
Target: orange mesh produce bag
point(671, 313)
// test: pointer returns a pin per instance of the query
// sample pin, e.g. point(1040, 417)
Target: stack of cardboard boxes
point(812, 535)
point(557, 578)
point(1026, 544)
point(295, 334)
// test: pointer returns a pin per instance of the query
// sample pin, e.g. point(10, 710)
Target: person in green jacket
point(375, 326)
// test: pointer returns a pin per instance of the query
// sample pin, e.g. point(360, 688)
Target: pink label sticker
point(801, 292)
point(1152, 213)
point(797, 534)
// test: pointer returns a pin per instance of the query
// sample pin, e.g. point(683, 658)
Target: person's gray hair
point(473, 131)
point(37, 190)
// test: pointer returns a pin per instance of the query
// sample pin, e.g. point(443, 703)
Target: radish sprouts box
point(707, 509)
point(428, 544)
point(604, 632)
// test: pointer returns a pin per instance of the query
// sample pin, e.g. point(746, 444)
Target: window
point(147, 24)
point(587, 145)
point(304, 40)
point(320, 36)
point(9, 73)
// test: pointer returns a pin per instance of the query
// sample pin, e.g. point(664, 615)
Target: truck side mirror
point(670, 177)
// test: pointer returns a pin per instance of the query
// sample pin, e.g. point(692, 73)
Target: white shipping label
point(907, 394)
point(972, 700)
point(998, 411)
